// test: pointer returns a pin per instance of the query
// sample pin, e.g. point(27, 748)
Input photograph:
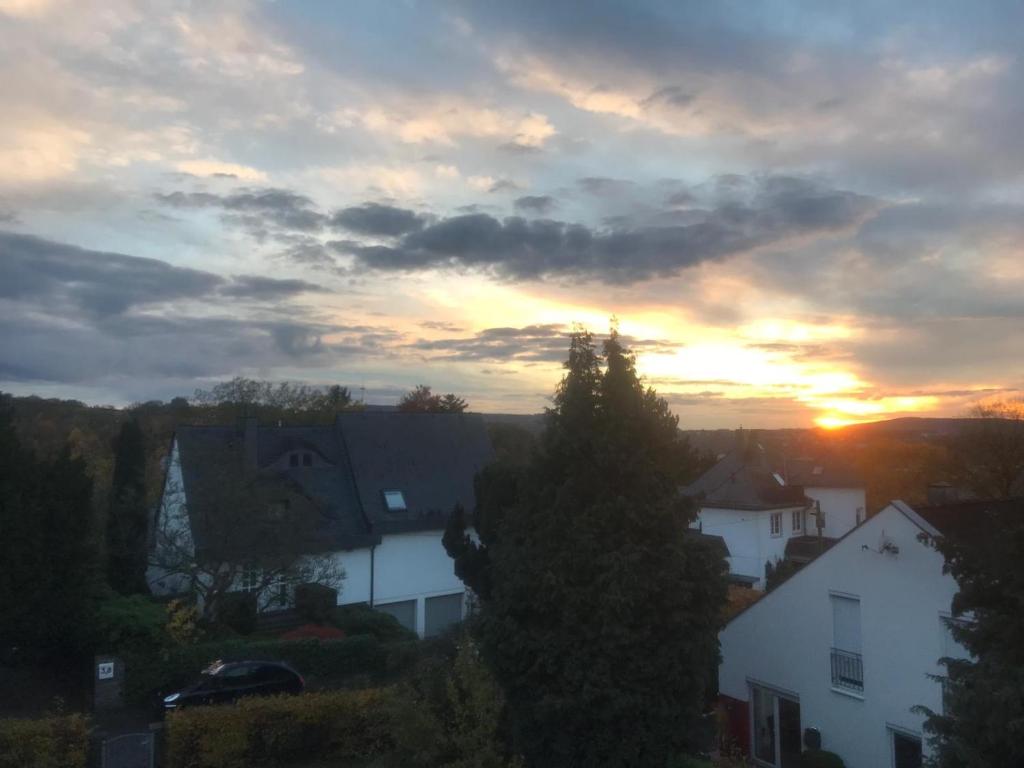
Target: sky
point(799, 213)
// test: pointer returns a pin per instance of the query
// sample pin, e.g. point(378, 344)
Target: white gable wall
point(172, 524)
point(747, 534)
point(784, 641)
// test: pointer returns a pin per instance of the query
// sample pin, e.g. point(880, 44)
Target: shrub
point(126, 623)
point(183, 623)
point(53, 742)
point(361, 619)
point(314, 632)
point(315, 602)
point(820, 758)
point(340, 725)
point(237, 610)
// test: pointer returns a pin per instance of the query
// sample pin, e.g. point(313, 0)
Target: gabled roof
point(741, 481)
point(819, 472)
point(431, 458)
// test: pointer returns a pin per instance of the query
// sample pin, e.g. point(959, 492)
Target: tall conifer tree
point(126, 517)
point(600, 611)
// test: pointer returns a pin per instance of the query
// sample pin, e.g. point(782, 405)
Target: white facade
point(843, 509)
point(881, 589)
point(754, 537)
point(406, 567)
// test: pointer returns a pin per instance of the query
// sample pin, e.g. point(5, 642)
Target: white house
point(379, 486)
point(765, 515)
point(845, 649)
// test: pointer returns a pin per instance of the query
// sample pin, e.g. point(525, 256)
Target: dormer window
point(307, 459)
point(293, 460)
point(394, 501)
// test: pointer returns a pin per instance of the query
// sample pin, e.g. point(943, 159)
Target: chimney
point(942, 493)
point(251, 444)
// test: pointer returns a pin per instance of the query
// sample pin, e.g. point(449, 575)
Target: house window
point(249, 581)
point(860, 515)
point(293, 460)
point(307, 459)
point(394, 501)
point(798, 522)
point(776, 523)
point(906, 750)
point(847, 665)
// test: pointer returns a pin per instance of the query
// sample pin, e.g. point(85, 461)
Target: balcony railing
point(847, 670)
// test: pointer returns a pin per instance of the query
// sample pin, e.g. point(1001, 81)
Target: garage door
point(442, 612)
point(404, 611)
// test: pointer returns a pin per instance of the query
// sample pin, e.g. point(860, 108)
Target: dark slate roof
point(431, 458)
point(969, 519)
point(803, 549)
point(741, 481)
point(819, 472)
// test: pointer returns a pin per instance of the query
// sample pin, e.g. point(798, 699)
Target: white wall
point(407, 566)
point(784, 640)
point(840, 506)
point(172, 524)
point(747, 534)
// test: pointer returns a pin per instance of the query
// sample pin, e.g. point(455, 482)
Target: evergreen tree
point(48, 575)
point(983, 722)
point(599, 612)
point(127, 521)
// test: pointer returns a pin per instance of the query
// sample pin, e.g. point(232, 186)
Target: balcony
point(847, 670)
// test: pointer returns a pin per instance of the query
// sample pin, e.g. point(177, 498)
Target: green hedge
point(340, 725)
point(362, 657)
point(54, 742)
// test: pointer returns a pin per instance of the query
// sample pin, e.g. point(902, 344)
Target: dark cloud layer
point(773, 210)
point(376, 219)
point(256, 209)
point(539, 204)
point(103, 284)
point(542, 343)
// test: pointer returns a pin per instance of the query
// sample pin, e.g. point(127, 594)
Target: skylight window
point(817, 470)
point(395, 501)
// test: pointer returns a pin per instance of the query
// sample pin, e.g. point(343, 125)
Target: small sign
point(105, 670)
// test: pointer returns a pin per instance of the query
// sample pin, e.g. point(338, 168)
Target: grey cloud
point(98, 282)
point(775, 209)
point(375, 219)
point(673, 95)
point(600, 185)
point(542, 343)
point(536, 203)
point(258, 287)
point(256, 209)
point(515, 148)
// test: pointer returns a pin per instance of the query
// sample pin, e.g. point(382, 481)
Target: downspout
point(373, 548)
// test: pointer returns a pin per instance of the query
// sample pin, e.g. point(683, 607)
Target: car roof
point(218, 666)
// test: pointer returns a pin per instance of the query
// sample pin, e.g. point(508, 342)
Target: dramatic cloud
point(375, 219)
point(256, 209)
point(774, 210)
point(530, 344)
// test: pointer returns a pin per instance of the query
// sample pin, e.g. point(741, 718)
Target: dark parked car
point(224, 682)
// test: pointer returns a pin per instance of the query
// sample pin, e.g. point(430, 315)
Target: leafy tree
point(243, 397)
point(983, 722)
point(421, 399)
point(989, 451)
point(243, 532)
point(127, 521)
point(599, 614)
